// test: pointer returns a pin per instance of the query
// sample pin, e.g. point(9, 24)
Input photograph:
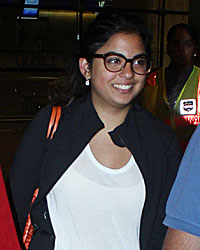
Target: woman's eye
point(114, 60)
point(140, 62)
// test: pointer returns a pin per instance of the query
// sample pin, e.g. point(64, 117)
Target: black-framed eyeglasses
point(115, 62)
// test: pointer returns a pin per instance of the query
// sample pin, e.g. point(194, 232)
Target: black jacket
point(40, 163)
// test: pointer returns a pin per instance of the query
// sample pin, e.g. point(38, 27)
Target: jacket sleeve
point(173, 158)
point(25, 170)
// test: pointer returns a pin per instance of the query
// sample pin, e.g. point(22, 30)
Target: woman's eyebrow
point(117, 53)
point(140, 55)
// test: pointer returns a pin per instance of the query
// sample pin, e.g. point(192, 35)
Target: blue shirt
point(183, 206)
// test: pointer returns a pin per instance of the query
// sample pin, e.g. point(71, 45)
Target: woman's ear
point(84, 67)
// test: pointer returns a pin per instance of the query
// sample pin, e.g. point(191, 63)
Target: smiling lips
point(123, 87)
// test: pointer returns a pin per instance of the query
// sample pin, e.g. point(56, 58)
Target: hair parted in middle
point(108, 23)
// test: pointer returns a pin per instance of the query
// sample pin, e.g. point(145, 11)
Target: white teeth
point(122, 86)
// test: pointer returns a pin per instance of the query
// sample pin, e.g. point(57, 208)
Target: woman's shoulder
point(37, 127)
point(151, 119)
point(156, 129)
point(72, 109)
point(78, 108)
point(42, 116)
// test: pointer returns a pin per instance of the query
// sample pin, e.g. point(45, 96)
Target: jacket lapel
point(77, 126)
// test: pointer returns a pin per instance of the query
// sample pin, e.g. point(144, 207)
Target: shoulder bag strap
point(52, 127)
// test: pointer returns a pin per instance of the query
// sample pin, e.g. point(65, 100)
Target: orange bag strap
point(53, 122)
point(52, 127)
point(29, 229)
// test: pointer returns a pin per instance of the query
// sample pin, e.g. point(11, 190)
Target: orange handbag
point(53, 124)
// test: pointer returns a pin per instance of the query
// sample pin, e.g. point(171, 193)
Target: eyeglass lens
point(115, 63)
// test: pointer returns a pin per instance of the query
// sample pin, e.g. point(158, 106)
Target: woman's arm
point(179, 240)
point(25, 170)
point(173, 157)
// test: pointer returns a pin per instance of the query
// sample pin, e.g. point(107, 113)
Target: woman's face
point(116, 89)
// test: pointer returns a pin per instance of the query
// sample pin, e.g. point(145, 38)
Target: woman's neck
point(112, 117)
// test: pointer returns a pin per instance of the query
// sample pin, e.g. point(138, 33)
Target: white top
point(93, 207)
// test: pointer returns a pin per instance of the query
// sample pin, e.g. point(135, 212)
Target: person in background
point(172, 93)
point(183, 206)
point(105, 177)
point(8, 234)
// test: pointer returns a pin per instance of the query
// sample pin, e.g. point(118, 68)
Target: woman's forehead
point(122, 41)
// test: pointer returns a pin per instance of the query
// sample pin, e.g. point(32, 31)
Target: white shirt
point(93, 207)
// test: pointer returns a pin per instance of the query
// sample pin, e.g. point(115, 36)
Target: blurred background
point(38, 36)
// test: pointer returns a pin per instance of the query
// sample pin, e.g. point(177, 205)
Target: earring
point(195, 54)
point(87, 82)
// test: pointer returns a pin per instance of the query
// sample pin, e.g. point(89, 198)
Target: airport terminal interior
point(37, 37)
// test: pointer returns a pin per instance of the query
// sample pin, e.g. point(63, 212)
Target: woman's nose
point(127, 71)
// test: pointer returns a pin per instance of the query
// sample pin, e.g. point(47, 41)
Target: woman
point(105, 176)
